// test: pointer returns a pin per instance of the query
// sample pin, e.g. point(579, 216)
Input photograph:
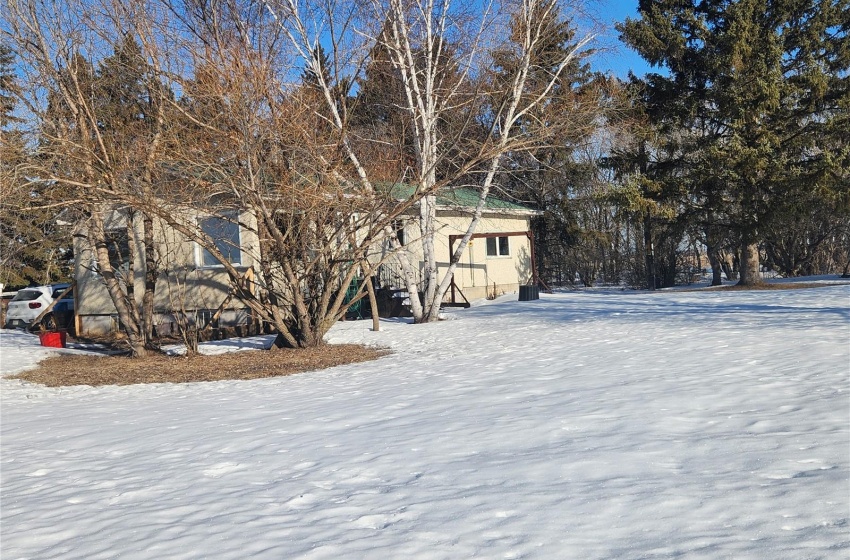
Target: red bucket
point(52, 339)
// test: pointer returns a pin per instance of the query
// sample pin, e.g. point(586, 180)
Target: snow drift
point(582, 425)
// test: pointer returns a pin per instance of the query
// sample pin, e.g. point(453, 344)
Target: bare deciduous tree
point(99, 129)
point(441, 57)
point(204, 109)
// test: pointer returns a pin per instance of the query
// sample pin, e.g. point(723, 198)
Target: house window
point(498, 246)
point(118, 246)
point(205, 317)
point(224, 231)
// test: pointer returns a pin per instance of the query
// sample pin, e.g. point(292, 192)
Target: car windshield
point(58, 292)
point(27, 295)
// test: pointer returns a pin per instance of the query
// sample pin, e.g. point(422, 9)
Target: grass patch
point(64, 370)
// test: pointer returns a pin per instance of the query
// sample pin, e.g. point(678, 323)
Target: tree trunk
point(281, 342)
point(713, 245)
point(649, 247)
point(97, 238)
point(151, 275)
point(373, 303)
point(727, 263)
point(431, 308)
point(305, 339)
point(716, 268)
point(750, 274)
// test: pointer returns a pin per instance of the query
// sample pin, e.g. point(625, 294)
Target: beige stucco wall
point(476, 273)
point(183, 284)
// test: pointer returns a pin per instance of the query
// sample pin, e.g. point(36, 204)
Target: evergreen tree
point(383, 123)
point(9, 87)
point(33, 248)
point(757, 92)
point(379, 118)
point(127, 103)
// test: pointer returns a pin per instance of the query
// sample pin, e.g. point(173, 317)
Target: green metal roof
point(460, 197)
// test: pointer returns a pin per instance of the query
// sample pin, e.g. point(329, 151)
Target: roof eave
point(505, 211)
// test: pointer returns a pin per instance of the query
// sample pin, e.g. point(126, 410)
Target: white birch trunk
point(415, 39)
point(534, 34)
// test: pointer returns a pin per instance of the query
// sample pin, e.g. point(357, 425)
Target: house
point(191, 281)
point(499, 259)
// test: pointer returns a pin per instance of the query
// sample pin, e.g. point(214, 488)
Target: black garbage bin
point(528, 293)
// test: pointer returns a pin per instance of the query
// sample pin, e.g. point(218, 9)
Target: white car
point(28, 304)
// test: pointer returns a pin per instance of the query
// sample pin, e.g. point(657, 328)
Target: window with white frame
point(224, 231)
point(498, 246)
point(118, 245)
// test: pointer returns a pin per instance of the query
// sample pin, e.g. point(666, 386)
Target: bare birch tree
point(442, 57)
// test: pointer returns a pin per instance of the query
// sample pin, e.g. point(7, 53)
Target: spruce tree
point(9, 87)
point(758, 91)
point(33, 248)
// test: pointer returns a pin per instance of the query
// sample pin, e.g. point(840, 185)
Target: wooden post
point(78, 321)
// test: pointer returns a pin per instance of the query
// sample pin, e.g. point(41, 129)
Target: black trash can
point(528, 293)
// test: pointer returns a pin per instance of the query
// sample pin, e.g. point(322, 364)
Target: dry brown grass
point(250, 364)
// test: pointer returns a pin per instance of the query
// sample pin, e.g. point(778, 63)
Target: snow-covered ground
point(584, 425)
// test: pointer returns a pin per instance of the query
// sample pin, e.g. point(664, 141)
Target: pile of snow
point(583, 425)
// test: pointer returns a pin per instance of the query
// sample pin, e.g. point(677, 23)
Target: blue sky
point(615, 57)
